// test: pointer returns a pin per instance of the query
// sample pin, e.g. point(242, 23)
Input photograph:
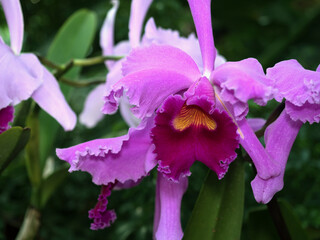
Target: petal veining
point(193, 116)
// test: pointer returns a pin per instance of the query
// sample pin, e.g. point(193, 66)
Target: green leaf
point(12, 142)
point(73, 40)
point(51, 183)
point(32, 150)
point(261, 226)
point(218, 211)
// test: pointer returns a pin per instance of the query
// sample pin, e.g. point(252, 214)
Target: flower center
point(193, 116)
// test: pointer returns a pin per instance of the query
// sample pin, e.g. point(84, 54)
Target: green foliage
point(219, 207)
point(12, 142)
point(260, 225)
point(73, 40)
point(51, 183)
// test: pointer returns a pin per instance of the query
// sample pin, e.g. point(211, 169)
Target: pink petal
point(233, 76)
point(124, 158)
point(92, 113)
point(126, 113)
point(107, 32)
point(147, 89)
point(50, 98)
point(139, 9)
point(306, 113)
point(111, 102)
point(14, 17)
point(189, 45)
point(20, 76)
point(256, 123)
point(294, 83)
point(169, 194)
point(265, 165)
point(201, 12)
point(161, 57)
point(279, 138)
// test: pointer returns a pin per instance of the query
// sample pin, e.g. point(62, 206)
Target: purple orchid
point(189, 110)
point(92, 113)
point(23, 76)
point(301, 90)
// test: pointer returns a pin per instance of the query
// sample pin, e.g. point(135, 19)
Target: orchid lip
point(193, 116)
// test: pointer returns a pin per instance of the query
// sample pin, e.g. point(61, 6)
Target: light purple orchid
point(23, 76)
point(92, 113)
point(189, 110)
point(301, 90)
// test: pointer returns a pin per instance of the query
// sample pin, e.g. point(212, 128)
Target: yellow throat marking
point(193, 115)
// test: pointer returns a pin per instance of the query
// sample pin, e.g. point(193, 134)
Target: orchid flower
point(189, 110)
point(92, 113)
point(300, 88)
point(23, 76)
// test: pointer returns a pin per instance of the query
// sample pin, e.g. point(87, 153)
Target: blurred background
point(270, 31)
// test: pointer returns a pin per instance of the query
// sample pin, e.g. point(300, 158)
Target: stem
point(48, 63)
point(30, 225)
point(84, 62)
point(81, 83)
point(273, 116)
point(278, 219)
point(94, 60)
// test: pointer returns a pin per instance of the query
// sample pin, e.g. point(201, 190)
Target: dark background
point(270, 31)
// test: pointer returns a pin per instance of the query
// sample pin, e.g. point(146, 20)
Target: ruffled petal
point(138, 12)
point(6, 116)
point(147, 89)
point(167, 225)
point(20, 76)
point(50, 99)
point(126, 113)
point(201, 12)
point(265, 165)
point(185, 133)
point(318, 69)
point(92, 113)
point(294, 83)
point(161, 57)
point(279, 138)
point(111, 100)
point(128, 157)
point(307, 112)
point(107, 32)
point(151, 74)
point(14, 17)
point(243, 80)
